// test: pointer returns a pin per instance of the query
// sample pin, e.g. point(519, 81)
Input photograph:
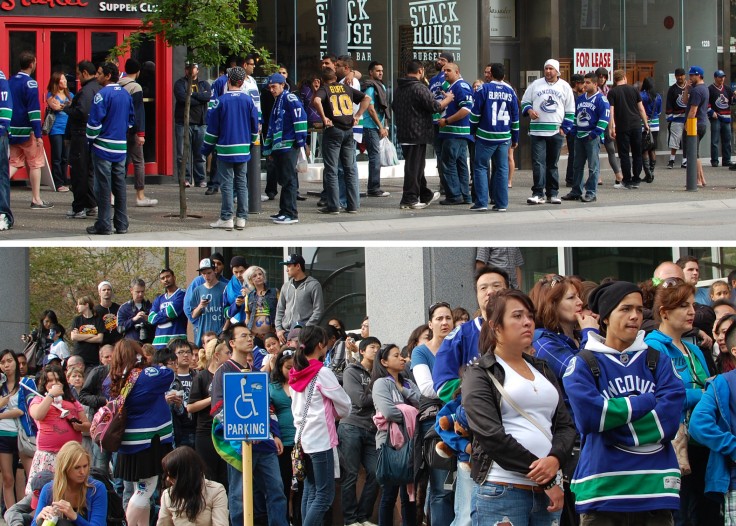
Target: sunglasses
point(437, 305)
point(667, 283)
point(552, 280)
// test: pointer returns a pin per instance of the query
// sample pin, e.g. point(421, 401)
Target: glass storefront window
point(537, 263)
point(628, 264)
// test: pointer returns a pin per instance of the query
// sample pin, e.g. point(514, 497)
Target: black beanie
point(607, 296)
point(218, 256)
point(132, 66)
point(238, 261)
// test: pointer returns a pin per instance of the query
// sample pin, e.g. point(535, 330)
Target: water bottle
point(51, 521)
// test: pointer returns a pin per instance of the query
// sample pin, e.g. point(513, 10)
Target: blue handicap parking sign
point(245, 403)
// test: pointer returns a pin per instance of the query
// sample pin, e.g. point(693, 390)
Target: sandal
point(62, 189)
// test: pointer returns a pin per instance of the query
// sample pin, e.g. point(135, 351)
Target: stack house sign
point(360, 37)
point(436, 29)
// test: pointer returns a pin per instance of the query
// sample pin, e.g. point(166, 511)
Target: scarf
point(276, 124)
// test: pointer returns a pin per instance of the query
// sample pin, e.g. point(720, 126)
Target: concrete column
point(15, 311)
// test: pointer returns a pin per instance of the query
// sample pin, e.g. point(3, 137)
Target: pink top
point(53, 431)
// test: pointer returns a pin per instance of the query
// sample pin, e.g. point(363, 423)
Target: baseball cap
point(679, 71)
point(276, 78)
point(238, 261)
point(205, 264)
point(719, 73)
point(447, 56)
point(294, 259)
point(37, 483)
point(50, 358)
point(294, 332)
point(696, 70)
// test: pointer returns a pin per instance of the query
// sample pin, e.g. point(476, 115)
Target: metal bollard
point(254, 179)
point(691, 149)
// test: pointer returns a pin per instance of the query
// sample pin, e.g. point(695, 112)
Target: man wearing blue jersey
point(110, 117)
point(167, 311)
point(496, 114)
point(455, 134)
point(627, 401)
point(6, 112)
point(591, 120)
point(232, 126)
point(436, 87)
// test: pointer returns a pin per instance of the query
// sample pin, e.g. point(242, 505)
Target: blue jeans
point(319, 485)
point(586, 150)
point(59, 159)
point(233, 175)
point(499, 152)
point(545, 155)
point(455, 169)
point(338, 147)
point(440, 499)
point(464, 488)
point(570, 172)
point(372, 140)
point(110, 176)
point(357, 446)
point(197, 163)
point(266, 473)
point(5, 178)
point(388, 503)
point(720, 132)
point(284, 165)
point(493, 504)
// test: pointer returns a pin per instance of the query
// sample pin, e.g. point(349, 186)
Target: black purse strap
point(310, 391)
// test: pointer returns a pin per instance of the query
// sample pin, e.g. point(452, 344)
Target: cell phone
point(75, 421)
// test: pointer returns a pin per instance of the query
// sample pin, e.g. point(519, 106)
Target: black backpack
point(115, 510)
point(589, 357)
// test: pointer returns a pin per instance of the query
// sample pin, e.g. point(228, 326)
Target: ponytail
point(310, 338)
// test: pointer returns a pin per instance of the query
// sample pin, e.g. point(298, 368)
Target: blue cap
point(719, 73)
point(277, 78)
point(696, 70)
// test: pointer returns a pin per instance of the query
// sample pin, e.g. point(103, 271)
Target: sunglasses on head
point(552, 280)
point(436, 305)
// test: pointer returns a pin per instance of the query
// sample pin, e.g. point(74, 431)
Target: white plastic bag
point(388, 153)
point(302, 165)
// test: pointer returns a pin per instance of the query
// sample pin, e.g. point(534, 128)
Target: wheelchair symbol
point(245, 407)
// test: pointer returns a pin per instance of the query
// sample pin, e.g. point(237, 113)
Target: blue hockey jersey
point(232, 126)
point(463, 99)
point(219, 86)
point(459, 348)
point(148, 412)
point(591, 115)
point(167, 314)
point(436, 87)
point(6, 105)
point(26, 115)
point(287, 125)
point(111, 115)
point(627, 418)
point(496, 113)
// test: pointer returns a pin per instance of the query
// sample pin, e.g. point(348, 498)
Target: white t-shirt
point(8, 426)
point(539, 398)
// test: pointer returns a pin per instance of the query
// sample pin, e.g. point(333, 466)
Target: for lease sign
point(587, 60)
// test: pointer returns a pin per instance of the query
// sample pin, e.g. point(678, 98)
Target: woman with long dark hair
point(58, 98)
point(392, 391)
point(41, 333)
point(315, 421)
point(653, 107)
point(725, 361)
point(516, 458)
point(148, 428)
point(10, 413)
point(190, 499)
point(674, 308)
point(200, 399)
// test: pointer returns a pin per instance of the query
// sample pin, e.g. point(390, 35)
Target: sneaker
point(670, 164)
point(714, 164)
point(326, 210)
point(555, 200)
point(618, 185)
point(202, 184)
point(91, 212)
point(222, 223)
point(684, 164)
point(478, 208)
point(369, 523)
point(276, 216)
point(322, 203)
point(570, 197)
point(299, 197)
point(121, 231)
point(4, 223)
point(91, 230)
point(435, 197)
point(351, 211)
point(633, 185)
point(450, 202)
point(239, 223)
point(43, 205)
point(536, 200)
point(71, 214)
point(588, 198)
point(379, 193)
point(146, 202)
point(497, 208)
point(264, 198)
point(285, 220)
point(211, 190)
point(413, 206)
point(62, 188)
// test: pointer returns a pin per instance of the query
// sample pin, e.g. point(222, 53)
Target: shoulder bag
point(48, 121)
point(512, 403)
point(395, 466)
point(108, 424)
point(298, 467)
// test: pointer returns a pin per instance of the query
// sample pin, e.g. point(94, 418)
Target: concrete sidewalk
point(381, 219)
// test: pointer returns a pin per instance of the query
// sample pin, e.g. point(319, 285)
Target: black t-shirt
point(184, 422)
point(88, 351)
point(201, 389)
point(337, 101)
point(109, 317)
point(624, 100)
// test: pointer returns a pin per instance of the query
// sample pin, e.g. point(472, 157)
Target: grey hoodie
point(302, 305)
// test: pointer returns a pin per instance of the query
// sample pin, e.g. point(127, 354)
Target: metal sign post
point(691, 149)
point(246, 418)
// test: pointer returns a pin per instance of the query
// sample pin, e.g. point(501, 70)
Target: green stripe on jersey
point(543, 126)
point(455, 130)
point(647, 429)
point(117, 146)
point(616, 412)
point(233, 149)
point(627, 484)
point(493, 136)
point(34, 115)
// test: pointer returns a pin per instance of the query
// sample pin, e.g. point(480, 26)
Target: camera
point(142, 331)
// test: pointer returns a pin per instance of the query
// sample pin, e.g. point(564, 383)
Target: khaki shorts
point(676, 132)
point(27, 153)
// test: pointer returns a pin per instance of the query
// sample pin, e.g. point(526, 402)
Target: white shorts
point(674, 138)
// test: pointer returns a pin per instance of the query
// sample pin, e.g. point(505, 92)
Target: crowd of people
point(96, 133)
point(579, 403)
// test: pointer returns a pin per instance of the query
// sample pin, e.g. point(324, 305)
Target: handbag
point(31, 352)
point(680, 444)
point(48, 121)
point(647, 141)
point(395, 466)
point(298, 467)
point(108, 425)
point(26, 444)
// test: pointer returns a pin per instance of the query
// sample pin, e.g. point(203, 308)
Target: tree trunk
point(185, 157)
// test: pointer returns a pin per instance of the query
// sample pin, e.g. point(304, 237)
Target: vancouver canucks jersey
point(111, 115)
point(591, 115)
point(463, 100)
point(232, 126)
point(26, 115)
point(496, 113)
